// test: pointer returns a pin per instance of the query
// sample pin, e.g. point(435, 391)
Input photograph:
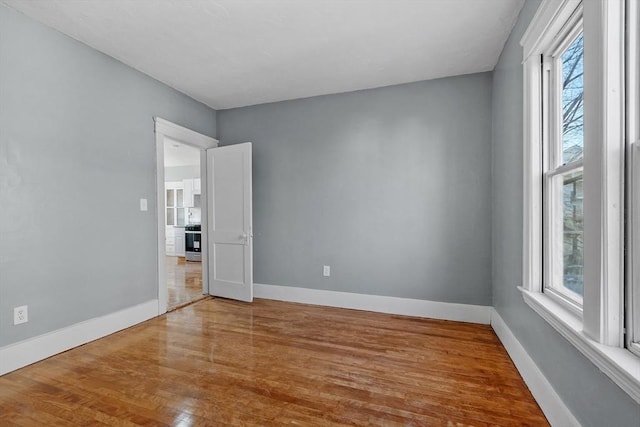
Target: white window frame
point(599, 332)
point(633, 151)
point(552, 166)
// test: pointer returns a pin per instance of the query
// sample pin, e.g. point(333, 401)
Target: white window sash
point(553, 237)
point(549, 20)
point(633, 189)
point(553, 166)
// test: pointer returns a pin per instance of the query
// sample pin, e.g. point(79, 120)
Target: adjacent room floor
point(184, 282)
point(221, 362)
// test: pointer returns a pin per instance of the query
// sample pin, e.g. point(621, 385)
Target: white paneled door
point(230, 222)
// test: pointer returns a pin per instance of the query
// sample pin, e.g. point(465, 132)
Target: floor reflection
point(184, 282)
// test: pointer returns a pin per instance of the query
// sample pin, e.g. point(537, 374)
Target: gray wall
point(77, 151)
point(589, 394)
point(178, 173)
point(390, 187)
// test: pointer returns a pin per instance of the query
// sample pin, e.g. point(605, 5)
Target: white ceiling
point(231, 53)
point(179, 154)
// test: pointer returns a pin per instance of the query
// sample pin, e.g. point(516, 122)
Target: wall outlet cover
point(20, 314)
point(143, 205)
point(326, 271)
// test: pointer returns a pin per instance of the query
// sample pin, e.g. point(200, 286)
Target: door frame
point(164, 128)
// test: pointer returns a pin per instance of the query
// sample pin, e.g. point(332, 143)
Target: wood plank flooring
point(184, 282)
point(219, 362)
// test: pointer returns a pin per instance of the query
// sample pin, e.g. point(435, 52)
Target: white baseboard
point(382, 304)
point(550, 403)
point(23, 353)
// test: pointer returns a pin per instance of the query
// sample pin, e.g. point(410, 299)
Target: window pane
point(170, 199)
point(170, 217)
point(179, 198)
point(572, 102)
point(180, 215)
point(573, 232)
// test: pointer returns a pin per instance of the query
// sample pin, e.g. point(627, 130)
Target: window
point(562, 149)
point(580, 70)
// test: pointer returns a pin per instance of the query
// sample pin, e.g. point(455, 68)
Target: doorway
point(182, 212)
point(182, 222)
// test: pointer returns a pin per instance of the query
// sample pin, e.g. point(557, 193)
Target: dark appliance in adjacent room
point(192, 246)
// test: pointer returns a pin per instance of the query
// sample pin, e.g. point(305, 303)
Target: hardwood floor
point(219, 362)
point(184, 282)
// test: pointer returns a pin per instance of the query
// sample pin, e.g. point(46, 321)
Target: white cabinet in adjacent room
point(175, 218)
point(174, 203)
point(179, 240)
point(175, 241)
point(170, 241)
point(191, 192)
point(188, 192)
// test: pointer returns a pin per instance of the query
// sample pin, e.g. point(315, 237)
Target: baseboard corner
point(23, 353)
point(557, 413)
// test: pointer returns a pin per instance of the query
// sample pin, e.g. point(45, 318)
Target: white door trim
point(164, 128)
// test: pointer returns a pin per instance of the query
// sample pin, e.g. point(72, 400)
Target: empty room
point(320, 213)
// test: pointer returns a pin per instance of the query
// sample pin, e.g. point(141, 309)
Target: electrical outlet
point(326, 271)
point(143, 205)
point(20, 314)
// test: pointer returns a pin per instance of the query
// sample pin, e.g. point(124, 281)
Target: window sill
point(619, 364)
